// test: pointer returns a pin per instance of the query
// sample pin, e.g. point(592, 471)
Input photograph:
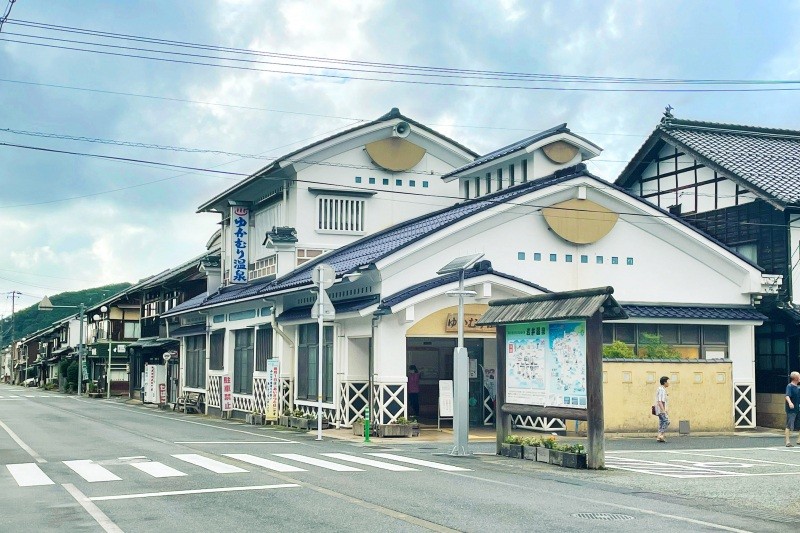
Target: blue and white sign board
point(546, 364)
point(240, 229)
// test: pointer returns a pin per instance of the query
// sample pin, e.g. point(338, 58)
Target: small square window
point(521, 256)
point(372, 181)
point(399, 183)
point(553, 257)
point(615, 260)
point(584, 259)
point(537, 256)
point(599, 259)
point(386, 181)
point(425, 184)
point(358, 179)
point(568, 258)
point(412, 183)
point(630, 261)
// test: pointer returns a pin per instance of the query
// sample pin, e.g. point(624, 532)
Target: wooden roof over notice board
point(555, 306)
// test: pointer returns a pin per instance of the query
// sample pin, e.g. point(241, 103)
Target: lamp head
point(45, 304)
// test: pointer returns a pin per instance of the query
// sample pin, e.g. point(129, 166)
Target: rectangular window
point(340, 214)
point(307, 357)
point(217, 351)
point(608, 333)
point(477, 187)
point(615, 260)
point(690, 334)
point(424, 184)
point(243, 361)
point(599, 259)
point(669, 333)
point(488, 183)
point(625, 333)
point(568, 258)
point(524, 165)
point(304, 255)
point(398, 183)
point(385, 181)
point(466, 190)
point(537, 256)
point(499, 179)
point(715, 334)
point(510, 175)
point(372, 181)
point(263, 348)
point(268, 266)
point(521, 256)
point(196, 361)
point(412, 183)
point(584, 259)
point(358, 179)
point(131, 329)
point(629, 261)
point(553, 258)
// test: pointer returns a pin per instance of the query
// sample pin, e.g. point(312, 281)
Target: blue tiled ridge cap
point(445, 279)
point(693, 312)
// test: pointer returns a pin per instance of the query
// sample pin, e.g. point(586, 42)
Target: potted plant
point(255, 418)
point(531, 445)
point(573, 456)
point(296, 419)
point(399, 428)
point(513, 447)
point(543, 452)
point(283, 419)
point(414, 427)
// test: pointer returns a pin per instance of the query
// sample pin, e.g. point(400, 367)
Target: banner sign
point(227, 393)
point(445, 398)
point(546, 364)
point(273, 391)
point(240, 228)
point(470, 324)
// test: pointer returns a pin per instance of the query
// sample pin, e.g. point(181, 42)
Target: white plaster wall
point(794, 257)
point(742, 352)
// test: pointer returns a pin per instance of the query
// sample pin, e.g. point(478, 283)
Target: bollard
point(366, 424)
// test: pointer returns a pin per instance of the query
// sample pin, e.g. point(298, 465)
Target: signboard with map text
point(546, 364)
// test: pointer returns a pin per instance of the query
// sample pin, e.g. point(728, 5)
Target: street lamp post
point(96, 319)
point(47, 305)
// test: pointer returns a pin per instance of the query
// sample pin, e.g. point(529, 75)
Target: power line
point(410, 82)
point(7, 12)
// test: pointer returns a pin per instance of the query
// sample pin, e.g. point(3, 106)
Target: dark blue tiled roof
point(693, 313)
point(438, 281)
point(511, 148)
point(764, 160)
point(348, 306)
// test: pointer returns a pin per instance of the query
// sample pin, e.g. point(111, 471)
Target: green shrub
point(514, 439)
point(618, 350)
point(72, 375)
point(532, 441)
point(651, 347)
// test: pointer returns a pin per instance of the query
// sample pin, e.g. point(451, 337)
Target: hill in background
point(30, 319)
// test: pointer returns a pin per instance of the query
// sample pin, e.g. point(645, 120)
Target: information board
point(273, 391)
point(546, 364)
point(445, 398)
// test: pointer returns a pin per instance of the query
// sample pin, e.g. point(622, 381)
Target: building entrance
point(433, 357)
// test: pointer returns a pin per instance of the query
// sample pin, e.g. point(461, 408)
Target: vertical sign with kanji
point(240, 228)
point(227, 393)
point(273, 393)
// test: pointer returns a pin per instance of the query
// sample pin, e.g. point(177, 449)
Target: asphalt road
point(69, 464)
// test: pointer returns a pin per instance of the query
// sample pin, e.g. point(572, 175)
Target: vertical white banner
point(273, 393)
point(240, 228)
point(227, 393)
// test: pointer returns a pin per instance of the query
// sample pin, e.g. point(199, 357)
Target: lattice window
point(744, 402)
point(340, 214)
point(353, 400)
point(214, 385)
point(268, 266)
point(304, 255)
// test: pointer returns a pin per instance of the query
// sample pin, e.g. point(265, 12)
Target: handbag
point(653, 410)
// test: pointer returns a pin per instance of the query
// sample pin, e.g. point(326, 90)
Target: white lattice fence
point(214, 386)
point(353, 401)
point(328, 413)
point(390, 402)
point(488, 407)
point(242, 402)
point(286, 395)
point(744, 405)
point(260, 394)
point(538, 423)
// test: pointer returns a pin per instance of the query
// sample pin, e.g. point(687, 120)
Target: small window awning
point(349, 306)
point(62, 351)
point(183, 331)
point(151, 342)
point(556, 306)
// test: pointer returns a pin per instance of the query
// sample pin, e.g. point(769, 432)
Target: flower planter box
point(358, 428)
point(543, 455)
point(530, 452)
point(255, 419)
point(283, 420)
point(394, 430)
point(556, 457)
point(573, 460)
point(516, 451)
point(415, 429)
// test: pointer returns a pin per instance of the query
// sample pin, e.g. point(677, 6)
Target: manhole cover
point(603, 516)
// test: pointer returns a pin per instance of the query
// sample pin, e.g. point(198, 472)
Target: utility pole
point(13, 295)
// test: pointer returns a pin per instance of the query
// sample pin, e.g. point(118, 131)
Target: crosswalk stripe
point(156, 469)
point(369, 462)
point(90, 471)
point(209, 464)
point(420, 462)
point(266, 463)
point(29, 475)
point(318, 462)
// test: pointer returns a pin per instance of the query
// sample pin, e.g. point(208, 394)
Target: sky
point(69, 222)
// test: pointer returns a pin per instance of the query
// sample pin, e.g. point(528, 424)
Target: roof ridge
point(722, 127)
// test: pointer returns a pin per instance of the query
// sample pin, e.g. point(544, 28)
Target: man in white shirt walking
point(661, 408)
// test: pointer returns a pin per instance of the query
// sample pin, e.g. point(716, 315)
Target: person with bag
point(660, 408)
point(792, 406)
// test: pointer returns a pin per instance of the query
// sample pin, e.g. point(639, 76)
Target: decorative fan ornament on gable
point(395, 154)
point(580, 221)
point(560, 152)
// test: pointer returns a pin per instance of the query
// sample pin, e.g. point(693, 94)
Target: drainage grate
point(603, 516)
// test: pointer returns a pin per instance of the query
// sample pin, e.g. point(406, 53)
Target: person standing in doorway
point(792, 406)
point(413, 390)
point(661, 408)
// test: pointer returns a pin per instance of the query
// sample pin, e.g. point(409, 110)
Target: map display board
point(546, 364)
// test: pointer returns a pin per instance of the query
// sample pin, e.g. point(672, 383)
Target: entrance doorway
point(433, 357)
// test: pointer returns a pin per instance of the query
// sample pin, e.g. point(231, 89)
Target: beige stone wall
point(770, 411)
point(700, 392)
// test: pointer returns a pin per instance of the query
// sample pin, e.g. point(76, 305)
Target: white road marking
point(156, 469)
point(369, 462)
point(233, 442)
point(195, 491)
point(95, 512)
point(11, 399)
point(209, 464)
point(29, 475)
point(39, 458)
point(266, 463)
point(90, 471)
point(666, 469)
point(30, 396)
point(744, 459)
point(318, 462)
point(421, 462)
